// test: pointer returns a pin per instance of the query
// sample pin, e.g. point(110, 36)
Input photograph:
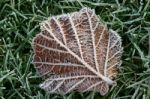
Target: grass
point(19, 22)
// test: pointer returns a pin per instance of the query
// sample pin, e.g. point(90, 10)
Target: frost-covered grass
point(19, 22)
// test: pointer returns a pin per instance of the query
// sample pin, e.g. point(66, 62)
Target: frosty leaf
point(75, 52)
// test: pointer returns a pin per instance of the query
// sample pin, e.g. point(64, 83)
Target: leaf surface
point(76, 52)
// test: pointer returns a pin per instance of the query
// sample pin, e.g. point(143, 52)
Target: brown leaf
point(76, 52)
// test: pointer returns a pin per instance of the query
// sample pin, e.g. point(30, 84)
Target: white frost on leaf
point(75, 52)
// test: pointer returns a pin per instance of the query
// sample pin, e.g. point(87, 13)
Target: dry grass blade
point(81, 53)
